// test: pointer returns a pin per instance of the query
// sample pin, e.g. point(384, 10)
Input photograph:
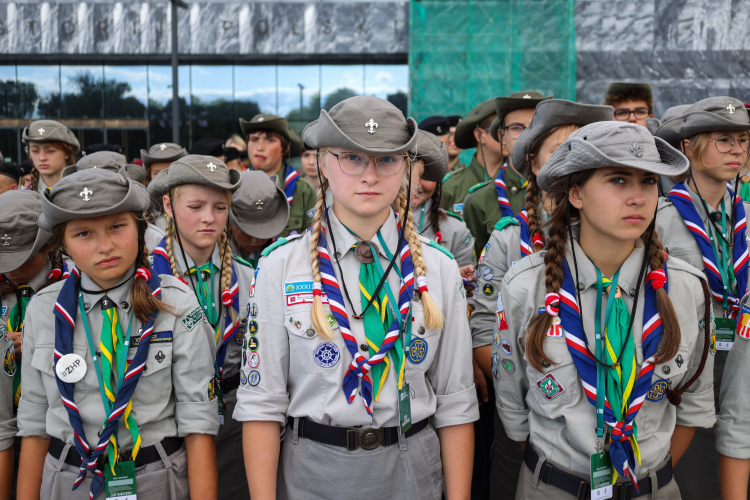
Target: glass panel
point(125, 91)
point(8, 94)
point(212, 102)
point(160, 103)
point(299, 95)
point(82, 91)
point(341, 82)
point(88, 136)
point(9, 144)
point(389, 82)
point(131, 140)
point(39, 92)
point(254, 92)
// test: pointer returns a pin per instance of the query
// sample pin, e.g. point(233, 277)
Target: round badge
point(506, 347)
point(252, 344)
point(253, 310)
point(496, 339)
point(488, 273)
point(252, 327)
point(70, 368)
point(253, 378)
point(253, 360)
point(495, 373)
point(495, 357)
point(293, 232)
point(417, 351)
point(239, 336)
point(326, 354)
point(243, 378)
point(508, 366)
point(488, 289)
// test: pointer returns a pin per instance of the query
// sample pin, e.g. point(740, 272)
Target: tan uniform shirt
point(174, 396)
point(564, 428)
point(288, 379)
point(455, 236)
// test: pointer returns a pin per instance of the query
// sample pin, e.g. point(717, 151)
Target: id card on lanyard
point(121, 484)
point(725, 327)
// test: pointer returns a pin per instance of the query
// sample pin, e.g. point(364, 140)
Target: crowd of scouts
point(560, 318)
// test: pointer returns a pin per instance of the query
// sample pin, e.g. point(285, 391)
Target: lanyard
point(421, 219)
point(724, 259)
point(600, 369)
point(210, 314)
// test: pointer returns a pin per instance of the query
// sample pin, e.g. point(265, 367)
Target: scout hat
point(90, 193)
point(194, 169)
point(20, 237)
point(259, 206)
point(438, 125)
point(273, 123)
point(464, 135)
point(364, 124)
point(713, 114)
point(10, 170)
point(166, 152)
point(524, 99)
point(25, 167)
point(432, 152)
point(548, 115)
point(611, 144)
point(114, 162)
point(209, 146)
point(50, 131)
point(653, 124)
point(453, 120)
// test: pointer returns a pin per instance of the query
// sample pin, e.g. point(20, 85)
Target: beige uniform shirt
point(563, 428)
point(153, 237)
point(174, 396)
point(455, 236)
point(287, 378)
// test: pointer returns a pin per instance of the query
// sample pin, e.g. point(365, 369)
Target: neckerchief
point(526, 239)
point(502, 193)
point(360, 366)
point(684, 204)
point(745, 190)
point(65, 319)
point(621, 448)
point(291, 177)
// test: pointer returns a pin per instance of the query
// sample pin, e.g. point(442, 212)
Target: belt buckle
point(370, 438)
point(352, 434)
point(583, 488)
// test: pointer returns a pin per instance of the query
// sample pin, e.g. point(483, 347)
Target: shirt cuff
point(253, 406)
point(515, 422)
point(456, 409)
point(697, 409)
point(201, 417)
point(481, 337)
point(8, 432)
point(732, 440)
point(32, 419)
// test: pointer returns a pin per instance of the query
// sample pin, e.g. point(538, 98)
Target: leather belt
point(231, 383)
point(351, 439)
point(146, 455)
point(581, 488)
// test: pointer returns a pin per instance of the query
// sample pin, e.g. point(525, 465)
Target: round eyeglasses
point(356, 163)
point(725, 143)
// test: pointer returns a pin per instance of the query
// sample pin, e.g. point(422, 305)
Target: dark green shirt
point(302, 209)
point(457, 183)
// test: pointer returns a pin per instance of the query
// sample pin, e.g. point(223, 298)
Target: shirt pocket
point(668, 375)
point(307, 348)
point(557, 383)
point(44, 361)
point(424, 341)
point(155, 385)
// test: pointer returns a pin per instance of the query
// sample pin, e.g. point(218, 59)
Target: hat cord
point(733, 215)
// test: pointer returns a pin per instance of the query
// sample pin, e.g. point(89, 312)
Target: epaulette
point(505, 222)
point(477, 186)
point(454, 215)
point(241, 260)
point(280, 242)
point(442, 249)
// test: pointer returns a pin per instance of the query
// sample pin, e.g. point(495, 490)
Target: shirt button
point(666, 369)
point(421, 330)
point(310, 332)
point(363, 347)
point(632, 292)
point(86, 306)
point(545, 364)
point(337, 255)
point(243, 321)
point(581, 286)
point(124, 305)
point(513, 189)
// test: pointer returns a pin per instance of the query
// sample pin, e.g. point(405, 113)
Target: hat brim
point(697, 122)
point(324, 132)
point(495, 129)
point(10, 261)
point(150, 160)
point(26, 139)
point(433, 154)
point(188, 174)
point(267, 228)
point(576, 155)
point(129, 171)
point(281, 127)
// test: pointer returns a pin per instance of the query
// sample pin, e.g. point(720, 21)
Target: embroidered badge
point(244, 358)
point(488, 273)
point(331, 319)
point(160, 357)
point(293, 232)
point(210, 392)
point(417, 351)
point(658, 390)
point(253, 378)
point(192, 318)
point(252, 310)
point(3, 310)
point(495, 357)
point(508, 366)
point(458, 208)
point(467, 239)
point(310, 213)
point(550, 387)
point(555, 329)
point(326, 354)
point(252, 327)
point(239, 336)
point(300, 292)
point(496, 373)
point(252, 344)
point(253, 360)
point(488, 289)
point(251, 293)
point(743, 325)
point(502, 324)
point(243, 378)
point(496, 339)
point(506, 347)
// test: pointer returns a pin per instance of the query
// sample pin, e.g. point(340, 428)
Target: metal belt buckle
point(370, 438)
point(583, 488)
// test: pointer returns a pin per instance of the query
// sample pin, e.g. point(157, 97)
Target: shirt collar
point(587, 271)
point(120, 295)
point(477, 168)
point(345, 240)
point(215, 257)
point(699, 204)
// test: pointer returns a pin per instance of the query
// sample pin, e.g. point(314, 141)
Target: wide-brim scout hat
point(165, 152)
point(653, 124)
point(363, 124)
point(50, 131)
point(259, 206)
point(432, 152)
point(20, 237)
point(525, 99)
point(714, 114)
point(612, 144)
point(194, 169)
point(464, 135)
point(273, 123)
point(91, 193)
point(548, 115)
point(114, 162)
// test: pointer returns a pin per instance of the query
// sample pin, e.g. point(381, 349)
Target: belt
point(146, 455)
point(351, 439)
point(581, 488)
point(231, 383)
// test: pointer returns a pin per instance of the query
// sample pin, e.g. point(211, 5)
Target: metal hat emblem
point(527, 96)
point(261, 119)
point(163, 147)
point(637, 150)
point(259, 205)
point(86, 194)
point(41, 131)
point(211, 166)
point(371, 126)
point(439, 129)
point(730, 108)
point(6, 240)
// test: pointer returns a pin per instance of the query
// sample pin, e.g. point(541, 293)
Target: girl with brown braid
point(375, 323)
point(603, 315)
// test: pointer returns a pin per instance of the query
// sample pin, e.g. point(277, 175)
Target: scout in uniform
point(431, 221)
point(196, 192)
point(156, 159)
point(308, 161)
point(362, 388)
point(514, 238)
point(438, 126)
point(633, 102)
point(259, 212)
point(117, 395)
point(588, 396)
point(453, 151)
point(52, 147)
point(488, 203)
point(270, 142)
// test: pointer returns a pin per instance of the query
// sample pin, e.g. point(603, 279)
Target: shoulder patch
point(505, 222)
point(475, 187)
point(442, 249)
point(273, 246)
point(447, 176)
point(448, 212)
point(241, 260)
point(192, 318)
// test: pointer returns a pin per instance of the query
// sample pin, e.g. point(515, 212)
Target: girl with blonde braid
point(604, 315)
point(196, 193)
point(361, 370)
point(51, 146)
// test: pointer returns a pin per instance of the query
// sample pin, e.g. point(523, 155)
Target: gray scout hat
point(20, 237)
point(259, 206)
point(432, 152)
point(653, 124)
point(194, 169)
point(91, 193)
point(548, 115)
point(524, 99)
point(276, 124)
point(114, 162)
point(714, 114)
point(50, 131)
point(611, 144)
point(166, 152)
point(464, 135)
point(364, 124)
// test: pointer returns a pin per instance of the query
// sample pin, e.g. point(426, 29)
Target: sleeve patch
point(192, 318)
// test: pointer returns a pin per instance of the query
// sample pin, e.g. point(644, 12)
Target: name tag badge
point(71, 368)
point(404, 409)
point(601, 476)
point(121, 484)
point(724, 333)
point(4, 310)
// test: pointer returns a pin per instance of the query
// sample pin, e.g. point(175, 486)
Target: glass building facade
point(132, 105)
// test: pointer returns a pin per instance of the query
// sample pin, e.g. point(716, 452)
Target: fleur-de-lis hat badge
point(86, 194)
point(637, 150)
point(371, 126)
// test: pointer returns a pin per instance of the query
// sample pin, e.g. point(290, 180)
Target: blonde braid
point(170, 251)
point(318, 313)
point(225, 283)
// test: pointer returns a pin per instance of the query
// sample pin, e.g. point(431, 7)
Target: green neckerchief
point(745, 191)
point(15, 324)
point(723, 259)
point(205, 292)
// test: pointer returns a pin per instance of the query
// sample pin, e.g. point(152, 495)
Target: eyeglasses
point(356, 163)
point(417, 191)
point(623, 114)
point(725, 144)
point(514, 131)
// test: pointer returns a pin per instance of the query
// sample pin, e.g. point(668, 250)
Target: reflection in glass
point(299, 95)
point(389, 82)
point(254, 91)
point(160, 103)
point(212, 102)
point(125, 91)
point(82, 92)
point(8, 94)
point(341, 82)
point(39, 92)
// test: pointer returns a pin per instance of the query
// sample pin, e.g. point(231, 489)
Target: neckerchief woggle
point(620, 449)
point(360, 367)
point(65, 318)
point(684, 204)
point(502, 193)
point(291, 176)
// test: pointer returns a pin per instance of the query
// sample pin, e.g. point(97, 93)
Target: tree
point(337, 96)
point(95, 98)
point(400, 100)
